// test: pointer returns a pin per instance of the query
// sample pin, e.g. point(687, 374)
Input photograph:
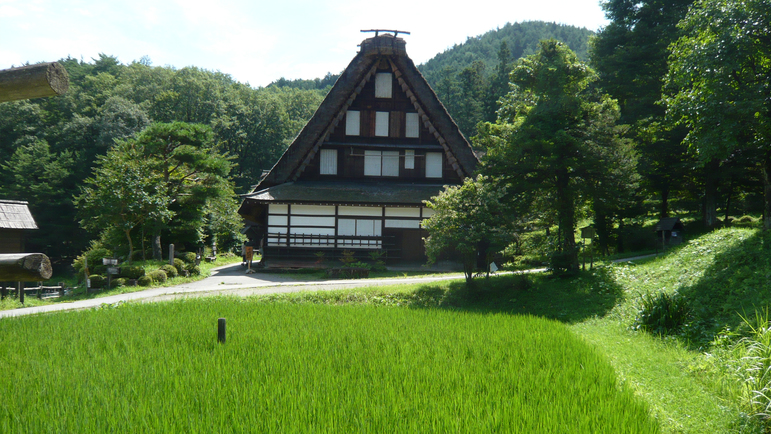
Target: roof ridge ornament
point(377, 32)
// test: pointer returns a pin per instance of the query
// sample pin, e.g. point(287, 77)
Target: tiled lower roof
point(14, 214)
point(361, 193)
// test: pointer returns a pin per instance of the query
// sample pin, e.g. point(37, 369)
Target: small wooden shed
point(15, 220)
point(670, 231)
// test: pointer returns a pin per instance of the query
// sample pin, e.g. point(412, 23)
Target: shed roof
point(14, 214)
point(669, 224)
point(373, 193)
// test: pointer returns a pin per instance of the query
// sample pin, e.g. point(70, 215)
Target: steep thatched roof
point(14, 214)
point(332, 111)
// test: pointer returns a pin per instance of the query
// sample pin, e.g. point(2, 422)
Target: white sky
point(257, 41)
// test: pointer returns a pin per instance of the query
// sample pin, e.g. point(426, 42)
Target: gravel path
point(232, 280)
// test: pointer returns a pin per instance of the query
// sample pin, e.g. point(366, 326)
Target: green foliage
point(553, 143)
point(347, 257)
point(170, 270)
point(145, 281)
point(131, 271)
point(179, 264)
point(469, 220)
point(93, 255)
point(193, 269)
point(52, 144)
point(662, 313)
point(120, 281)
point(188, 257)
point(158, 276)
point(97, 281)
point(464, 372)
point(378, 258)
point(630, 56)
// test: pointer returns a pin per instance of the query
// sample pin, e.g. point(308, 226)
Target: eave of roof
point(346, 193)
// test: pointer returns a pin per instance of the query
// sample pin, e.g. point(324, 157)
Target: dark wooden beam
point(33, 81)
point(24, 267)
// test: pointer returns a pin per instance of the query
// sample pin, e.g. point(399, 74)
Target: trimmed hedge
point(158, 276)
point(131, 271)
point(170, 270)
point(145, 281)
point(188, 257)
point(97, 281)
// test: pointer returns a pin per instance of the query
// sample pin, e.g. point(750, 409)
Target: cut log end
point(33, 81)
point(25, 267)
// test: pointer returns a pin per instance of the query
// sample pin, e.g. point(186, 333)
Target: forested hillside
point(49, 146)
point(469, 78)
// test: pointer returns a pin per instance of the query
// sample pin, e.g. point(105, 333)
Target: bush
point(158, 276)
point(97, 281)
point(121, 281)
point(188, 257)
point(179, 264)
point(193, 269)
point(145, 281)
point(662, 313)
point(95, 255)
point(170, 270)
point(131, 272)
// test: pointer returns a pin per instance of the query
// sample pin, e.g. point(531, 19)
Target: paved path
point(229, 280)
point(232, 280)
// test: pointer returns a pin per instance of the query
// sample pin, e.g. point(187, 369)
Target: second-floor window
point(381, 163)
point(328, 163)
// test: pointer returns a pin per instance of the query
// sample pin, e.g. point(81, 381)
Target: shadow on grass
point(736, 284)
point(589, 294)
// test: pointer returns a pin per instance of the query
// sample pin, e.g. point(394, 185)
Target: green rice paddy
point(305, 368)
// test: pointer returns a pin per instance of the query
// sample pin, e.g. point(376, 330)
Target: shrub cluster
point(662, 313)
point(158, 276)
point(131, 271)
point(170, 270)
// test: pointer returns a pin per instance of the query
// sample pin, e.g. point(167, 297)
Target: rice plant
point(305, 368)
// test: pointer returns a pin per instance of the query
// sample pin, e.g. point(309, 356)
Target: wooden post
point(39, 290)
point(3, 291)
point(221, 326)
point(33, 81)
point(61, 289)
point(20, 288)
point(171, 254)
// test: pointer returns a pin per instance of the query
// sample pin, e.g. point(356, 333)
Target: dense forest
point(653, 149)
point(49, 146)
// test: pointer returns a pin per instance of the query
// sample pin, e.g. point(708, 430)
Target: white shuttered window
point(383, 85)
point(409, 159)
point(433, 165)
point(412, 125)
point(381, 124)
point(390, 163)
point(372, 163)
point(328, 162)
point(352, 123)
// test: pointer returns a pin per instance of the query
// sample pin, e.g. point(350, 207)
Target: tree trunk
point(664, 211)
point(566, 218)
point(157, 251)
point(766, 174)
point(712, 177)
point(131, 245)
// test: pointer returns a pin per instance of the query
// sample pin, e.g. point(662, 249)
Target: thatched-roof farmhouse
point(356, 176)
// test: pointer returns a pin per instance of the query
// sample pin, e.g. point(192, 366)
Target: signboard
point(113, 270)
point(587, 232)
point(109, 261)
point(249, 253)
